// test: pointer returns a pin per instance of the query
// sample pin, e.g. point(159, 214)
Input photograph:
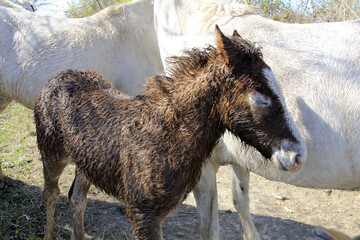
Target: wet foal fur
point(149, 150)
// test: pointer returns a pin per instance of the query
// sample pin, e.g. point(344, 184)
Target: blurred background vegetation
point(292, 11)
point(308, 11)
point(86, 8)
point(298, 11)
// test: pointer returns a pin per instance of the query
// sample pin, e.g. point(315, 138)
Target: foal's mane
point(181, 70)
point(185, 68)
point(190, 62)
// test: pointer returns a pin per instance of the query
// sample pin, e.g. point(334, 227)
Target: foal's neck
point(187, 101)
point(193, 107)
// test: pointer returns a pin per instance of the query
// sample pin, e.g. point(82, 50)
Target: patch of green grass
point(17, 137)
point(22, 213)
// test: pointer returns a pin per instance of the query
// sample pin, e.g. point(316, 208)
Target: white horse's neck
point(180, 22)
point(121, 22)
point(171, 19)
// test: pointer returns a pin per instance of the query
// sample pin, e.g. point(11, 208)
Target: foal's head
point(251, 105)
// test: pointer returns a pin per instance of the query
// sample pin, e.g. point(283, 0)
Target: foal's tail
point(330, 234)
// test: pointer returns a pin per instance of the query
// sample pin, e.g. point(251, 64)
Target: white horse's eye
point(258, 99)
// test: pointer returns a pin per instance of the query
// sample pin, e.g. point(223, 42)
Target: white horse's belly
point(324, 167)
point(331, 132)
point(318, 172)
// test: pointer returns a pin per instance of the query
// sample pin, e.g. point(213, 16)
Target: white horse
point(119, 43)
point(318, 70)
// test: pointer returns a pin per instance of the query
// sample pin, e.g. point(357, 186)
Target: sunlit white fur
point(118, 43)
point(317, 67)
point(285, 154)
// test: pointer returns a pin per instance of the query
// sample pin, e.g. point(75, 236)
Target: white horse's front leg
point(240, 189)
point(205, 194)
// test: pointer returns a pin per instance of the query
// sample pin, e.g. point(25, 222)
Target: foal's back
point(76, 113)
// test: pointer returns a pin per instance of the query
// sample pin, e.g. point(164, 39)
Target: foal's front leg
point(240, 189)
point(77, 201)
point(146, 226)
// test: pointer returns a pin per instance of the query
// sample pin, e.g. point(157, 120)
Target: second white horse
point(318, 70)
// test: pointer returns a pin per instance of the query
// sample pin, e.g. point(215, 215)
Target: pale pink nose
point(297, 164)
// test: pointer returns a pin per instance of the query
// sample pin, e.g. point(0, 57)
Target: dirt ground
point(292, 218)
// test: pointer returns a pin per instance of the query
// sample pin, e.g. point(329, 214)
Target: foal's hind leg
point(77, 199)
point(52, 171)
point(4, 102)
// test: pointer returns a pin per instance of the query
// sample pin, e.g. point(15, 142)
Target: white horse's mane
point(20, 5)
point(6, 3)
point(115, 9)
point(213, 10)
point(110, 11)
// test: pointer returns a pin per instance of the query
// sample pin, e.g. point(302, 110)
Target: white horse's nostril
point(298, 159)
point(297, 164)
point(288, 159)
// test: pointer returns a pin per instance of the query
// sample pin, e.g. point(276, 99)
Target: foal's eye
point(258, 99)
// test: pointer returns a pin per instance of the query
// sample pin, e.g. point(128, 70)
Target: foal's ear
point(236, 34)
point(224, 44)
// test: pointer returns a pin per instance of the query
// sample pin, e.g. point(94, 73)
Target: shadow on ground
point(23, 216)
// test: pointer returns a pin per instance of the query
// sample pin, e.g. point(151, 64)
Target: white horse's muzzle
point(290, 157)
